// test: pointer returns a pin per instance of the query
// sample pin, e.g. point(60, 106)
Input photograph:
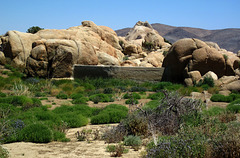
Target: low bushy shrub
point(102, 118)
point(108, 91)
point(234, 106)
point(131, 95)
point(2, 94)
point(131, 140)
point(36, 133)
point(222, 98)
point(214, 111)
point(167, 86)
point(113, 114)
point(76, 95)
point(138, 89)
point(206, 81)
point(156, 96)
point(100, 98)
point(74, 121)
point(131, 101)
point(61, 95)
point(82, 100)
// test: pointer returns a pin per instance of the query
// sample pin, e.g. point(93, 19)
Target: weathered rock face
point(143, 32)
point(2, 58)
point(188, 55)
point(52, 53)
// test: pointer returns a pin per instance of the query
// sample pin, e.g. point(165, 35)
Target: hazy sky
point(62, 14)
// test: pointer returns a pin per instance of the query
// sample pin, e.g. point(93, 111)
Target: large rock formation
point(52, 53)
point(188, 54)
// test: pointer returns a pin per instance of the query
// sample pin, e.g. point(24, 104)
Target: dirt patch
point(72, 149)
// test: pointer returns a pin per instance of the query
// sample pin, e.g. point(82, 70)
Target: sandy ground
point(72, 149)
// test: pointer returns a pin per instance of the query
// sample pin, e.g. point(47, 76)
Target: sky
point(117, 14)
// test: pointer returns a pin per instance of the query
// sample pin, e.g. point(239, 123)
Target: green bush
point(132, 140)
point(234, 106)
point(167, 86)
point(206, 81)
point(102, 118)
point(34, 29)
point(2, 94)
point(36, 133)
point(61, 95)
point(82, 100)
point(213, 111)
point(113, 114)
point(60, 136)
point(132, 95)
point(156, 96)
point(76, 95)
point(152, 104)
point(74, 121)
point(221, 98)
point(131, 101)
point(108, 91)
point(116, 107)
point(100, 98)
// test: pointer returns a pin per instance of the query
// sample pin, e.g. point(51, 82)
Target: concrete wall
point(134, 73)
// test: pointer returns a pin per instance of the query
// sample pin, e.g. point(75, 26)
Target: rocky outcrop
point(2, 58)
point(52, 53)
point(143, 34)
point(189, 54)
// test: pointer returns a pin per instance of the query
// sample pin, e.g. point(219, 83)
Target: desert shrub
point(113, 114)
point(132, 95)
point(187, 144)
point(206, 81)
point(82, 100)
point(214, 111)
point(3, 152)
point(46, 115)
point(34, 29)
point(116, 107)
point(131, 101)
point(36, 103)
point(133, 141)
point(108, 91)
point(76, 95)
point(227, 117)
point(102, 118)
point(186, 91)
point(60, 136)
point(100, 98)
point(74, 121)
point(167, 86)
point(114, 134)
point(36, 133)
point(227, 143)
point(116, 150)
point(61, 95)
point(222, 98)
point(135, 125)
point(156, 96)
point(138, 89)
point(83, 110)
point(2, 94)
point(234, 106)
point(152, 104)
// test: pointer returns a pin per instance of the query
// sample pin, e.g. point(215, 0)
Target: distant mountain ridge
point(228, 39)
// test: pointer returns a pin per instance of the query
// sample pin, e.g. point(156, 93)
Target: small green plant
point(225, 57)
point(131, 101)
point(2, 94)
point(234, 106)
point(206, 81)
point(36, 133)
point(132, 95)
point(61, 95)
point(116, 150)
point(82, 100)
point(165, 53)
point(34, 29)
point(134, 141)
